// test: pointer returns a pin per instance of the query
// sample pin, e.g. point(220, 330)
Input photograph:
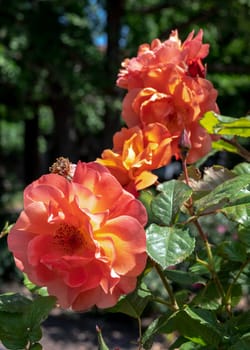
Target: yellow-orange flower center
point(68, 238)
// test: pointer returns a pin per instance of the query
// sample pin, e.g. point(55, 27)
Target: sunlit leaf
point(166, 205)
point(223, 145)
point(222, 125)
point(232, 192)
point(168, 245)
point(242, 168)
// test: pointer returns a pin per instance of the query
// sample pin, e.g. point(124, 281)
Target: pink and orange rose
point(82, 238)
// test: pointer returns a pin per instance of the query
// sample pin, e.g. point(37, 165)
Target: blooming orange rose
point(83, 239)
point(166, 84)
point(136, 153)
point(159, 55)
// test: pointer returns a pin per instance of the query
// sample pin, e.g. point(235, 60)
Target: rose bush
point(83, 239)
point(81, 233)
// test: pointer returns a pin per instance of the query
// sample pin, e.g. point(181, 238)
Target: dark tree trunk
point(31, 152)
point(115, 12)
point(62, 143)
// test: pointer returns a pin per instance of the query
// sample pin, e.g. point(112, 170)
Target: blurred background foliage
point(58, 65)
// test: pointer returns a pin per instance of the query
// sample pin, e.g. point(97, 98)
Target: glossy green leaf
point(232, 192)
point(20, 319)
point(242, 168)
point(38, 312)
point(239, 213)
point(168, 245)
point(134, 303)
point(14, 302)
point(166, 205)
point(146, 197)
point(222, 125)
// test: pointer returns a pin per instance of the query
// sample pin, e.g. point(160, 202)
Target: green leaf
point(208, 297)
point(13, 333)
point(222, 125)
point(238, 213)
point(232, 192)
point(223, 145)
point(244, 236)
point(157, 326)
point(232, 250)
point(20, 319)
point(36, 346)
point(38, 312)
point(134, 303)
point(239, 324)
point(184, 278)
point(200, 326)
point(243, 343)
point(166, 205)
point(242, 168)
point(14, 302)
point(168, 245)
point(146, 196)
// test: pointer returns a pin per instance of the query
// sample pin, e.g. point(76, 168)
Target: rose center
point(68, 238)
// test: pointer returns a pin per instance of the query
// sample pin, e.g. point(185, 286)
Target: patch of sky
point(97, 19)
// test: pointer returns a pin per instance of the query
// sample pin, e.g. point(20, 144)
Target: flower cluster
point(167, 95)
point(81, 239)
point(81, 232)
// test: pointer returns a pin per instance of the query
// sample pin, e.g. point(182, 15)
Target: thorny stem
point(195, 221)
point(173, 303)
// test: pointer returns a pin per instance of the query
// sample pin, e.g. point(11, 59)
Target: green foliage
point(221, 125)
point(168, 245)
point(166, 205)
point(20, 320)
point(134, 303)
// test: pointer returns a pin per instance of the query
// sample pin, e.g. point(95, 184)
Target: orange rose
point(166, 85)
point(136, 153)
point(83, 239)
point(159, 55)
